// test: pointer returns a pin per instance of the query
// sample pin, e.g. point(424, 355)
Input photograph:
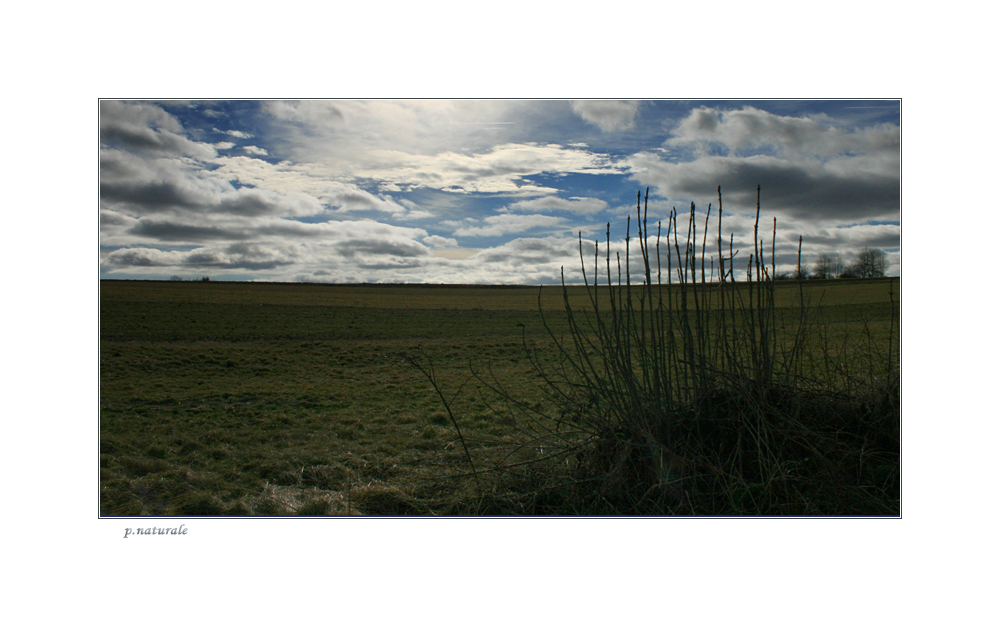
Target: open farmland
point(263, 399)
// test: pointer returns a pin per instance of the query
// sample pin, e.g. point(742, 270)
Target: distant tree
point(822, 267)
point(176, 278)
point(205, 279)
point(869, 263)
point(793, 275)
point(838, 265)
point(828, 266)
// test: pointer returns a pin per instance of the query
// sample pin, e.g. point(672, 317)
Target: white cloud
point(347, 199)
point(610, 116)
point(503, 224)
point(231, 133)
point(255, 150)
point(439, 242)
point(580, 205)
point(282, 177)
point(412, 215)
point(305, 178)
point(528, 260)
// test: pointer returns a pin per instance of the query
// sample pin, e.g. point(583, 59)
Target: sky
point(480, 191)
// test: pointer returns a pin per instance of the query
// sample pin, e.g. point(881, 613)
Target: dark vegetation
point(700, 399)
point(756, 397)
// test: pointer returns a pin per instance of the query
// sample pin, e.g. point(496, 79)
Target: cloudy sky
point(476, 191)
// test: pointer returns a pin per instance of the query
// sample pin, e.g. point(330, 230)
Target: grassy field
point(265, 399)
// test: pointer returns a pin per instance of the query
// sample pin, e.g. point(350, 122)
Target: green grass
point(268, 399)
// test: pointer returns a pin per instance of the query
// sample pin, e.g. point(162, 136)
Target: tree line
point(867, 263)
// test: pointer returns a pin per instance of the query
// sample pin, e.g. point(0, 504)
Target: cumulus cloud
point(308, 179)
point(242, 256)
point(783, 135)
point(170, 231)
point(531, 261)
point(159, 188)
point(278, 247)
point(264, 202)
point(138, 184)
point(148, 129)
point(581, 205)
point(154, 195)
point(503, 224)
point(440, 242)
point(852, 237)
point(527, 251)
point(382, 247)
point(126, 258)
point(255, 150)
point(110, 218)
point(284, 176)
point(808, 189)
point(347, 198)
point(610, 116)
point(806, 167)
point(412, 215)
